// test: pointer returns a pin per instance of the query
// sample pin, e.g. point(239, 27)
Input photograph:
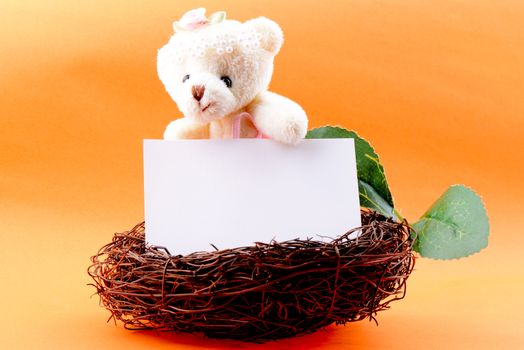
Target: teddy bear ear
point(271, 34)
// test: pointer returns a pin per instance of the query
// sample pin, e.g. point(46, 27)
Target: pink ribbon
point(237, 125)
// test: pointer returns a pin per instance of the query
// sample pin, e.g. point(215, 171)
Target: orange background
point(436, 86)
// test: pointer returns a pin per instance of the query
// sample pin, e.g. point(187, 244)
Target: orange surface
point(437, 86)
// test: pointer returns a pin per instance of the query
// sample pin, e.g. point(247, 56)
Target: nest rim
point(266, 291)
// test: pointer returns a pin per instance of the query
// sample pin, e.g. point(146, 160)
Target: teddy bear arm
point(185, 128)
point(279, 118)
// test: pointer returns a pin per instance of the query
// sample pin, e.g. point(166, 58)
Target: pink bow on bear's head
point(196, 18)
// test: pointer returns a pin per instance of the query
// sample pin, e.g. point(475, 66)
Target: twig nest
point(256, 293)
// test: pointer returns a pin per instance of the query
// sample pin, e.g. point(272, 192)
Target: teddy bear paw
point(173, 131)
point(294, 132)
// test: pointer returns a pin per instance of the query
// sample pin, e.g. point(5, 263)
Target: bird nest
point(255, 293)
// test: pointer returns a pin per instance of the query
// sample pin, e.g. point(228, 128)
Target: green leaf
point(369, 198)
point(217, 17)
point(373, 186)
point(455, 226)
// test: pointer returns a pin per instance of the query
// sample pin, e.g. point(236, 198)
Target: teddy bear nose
point(198, 91)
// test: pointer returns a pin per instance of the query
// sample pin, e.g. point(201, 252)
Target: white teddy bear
point(218, 72)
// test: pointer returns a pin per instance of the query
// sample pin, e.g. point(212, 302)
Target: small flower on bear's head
point(196, 18)
point(193, 19)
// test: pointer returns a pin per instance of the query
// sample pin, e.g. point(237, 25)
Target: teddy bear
point(218, 71)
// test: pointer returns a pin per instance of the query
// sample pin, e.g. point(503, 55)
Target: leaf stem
point(398, 215)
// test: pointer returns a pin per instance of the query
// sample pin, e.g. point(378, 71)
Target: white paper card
point(232, 193)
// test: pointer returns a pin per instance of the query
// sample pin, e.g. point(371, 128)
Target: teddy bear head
point(213, 67)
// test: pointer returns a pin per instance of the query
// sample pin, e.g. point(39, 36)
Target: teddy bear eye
point(227, 81)
point(185, 78)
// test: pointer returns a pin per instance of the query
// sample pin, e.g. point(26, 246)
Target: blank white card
point(232, 193)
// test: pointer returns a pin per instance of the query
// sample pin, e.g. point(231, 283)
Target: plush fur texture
point(196, 67)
